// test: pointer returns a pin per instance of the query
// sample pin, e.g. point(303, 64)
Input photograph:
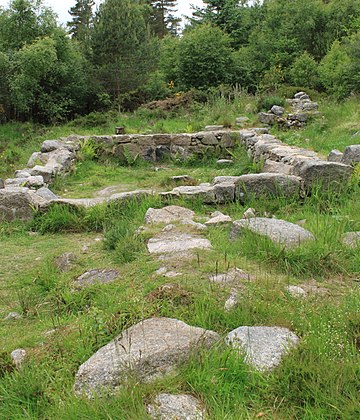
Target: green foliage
point(266, 102)
point(304, 71)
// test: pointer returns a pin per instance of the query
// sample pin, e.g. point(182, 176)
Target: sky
point(61, 7)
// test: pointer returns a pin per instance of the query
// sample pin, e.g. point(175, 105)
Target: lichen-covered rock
point(97, 276)
point(147, 350)
point(176, 407)
point(279, 231)
point(351, 154)
point(168, 214)
point(173, 242)
point(264, 347)
point(335, 156)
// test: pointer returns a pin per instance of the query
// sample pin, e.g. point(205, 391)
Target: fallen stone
point(46, 194)
point(277, 110)
point(300, 94)
point(12, 316)
point(279, 231)
point(335, 156)
point(296, 291)
point(270, 166)
point(225, 180)
point(218, 220)
point(204, 192)
point(264, 347)
point(18, 204)
point(51, 145)
point(225, 162)
point(148, 350)
point(351, 239)
point(18, 357)
point(47, 172)
point(268, 184)
point(309, 106)
point(168, 214)
point(176, 407)
point(351, 155)
point(169, 243)
point(224, 192)
point(65, 262)
point(22, 173)
point(97, 276)
point(267, 117)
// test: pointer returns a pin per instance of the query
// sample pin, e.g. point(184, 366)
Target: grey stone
point(309, 106)
point(225, 162)
point(47, 172)
point(65, 262)
point(176, 407)
point(269, 184)
point(18, 357)
point(168, 214)
point(279, 231)
point(271, 166)
point(12, 316)
point(220, 219)
point(277, 110)
point(203, 192)
point(264, 347)
point(232, 300)
point(183, 178)
point(249, 213)
point(235, 276)
point(148, 350)
point(267, 118)
point(225, 179)
point(335, 156)
point(51, 145)
point(197, 226)
point(320, 171)
point(46, 194)
point(299, 95)
point(351, 154)
point(35, 159)
point(15, 182)
point(129, 195)
point(224, 192)
point(97, 276)
point(214, 128)
point(18, 204)
point(22, 173)
point(296, 291)
point(209, 139)
point(172, 242)
point(241, 120)
point(351, 239)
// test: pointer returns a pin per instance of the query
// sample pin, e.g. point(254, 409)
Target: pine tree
point(82, 18)
point(163, 21)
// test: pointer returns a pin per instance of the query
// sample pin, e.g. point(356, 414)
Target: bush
point(265, 103)
point(305, 71)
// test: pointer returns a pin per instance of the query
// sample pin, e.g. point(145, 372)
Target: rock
point(204, 192)
point(176, 407)
point(148, 350)
point(277, 110)
point(267, 118)
point(51, 145)
point(12, 316)
point(214, 128)
point(2, 184)
point(36, 158)
point(209, 139)
point(22, 173)
point(101, 276)
point(29, 182)
point(241, 120)
point(249, 213)
point(351, 155)
point(195, 225)
point(183, 178)
point(279, 231)
point(18, 357)
point(167, 243)
point(323, 172)
point(168, 214)
point(264, 347)
point(219, 220)
point(270, 166)
point(47, 172)
point(46, 194)
point(168, 228)
point(351, 239)
point(299, 95)
point(225, 179)
point(224, 162)
point(235, 276)
point(335, 156)
point(232, 300)
point(65, 262)
point(224, 192)
point(18, 204)
point(268, 184)
point(296, 291)
point(309, 106)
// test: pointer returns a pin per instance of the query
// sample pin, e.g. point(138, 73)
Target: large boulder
point(18, 204)
point(279, 231)
point(268, 184)
point(264, 347)
point(147, 350)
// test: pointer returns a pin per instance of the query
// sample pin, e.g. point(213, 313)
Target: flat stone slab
point(95, 276)
point(172, 242)
point(176, 407)
point(148, 350)
point(279, 231)
point(203, 192)
point(168, 214)
point(233, 276)
point(263, 347)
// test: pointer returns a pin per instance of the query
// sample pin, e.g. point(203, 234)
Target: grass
point(61, 328)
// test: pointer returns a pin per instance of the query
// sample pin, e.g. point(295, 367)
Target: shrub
point(265, 103)
point(304, 71)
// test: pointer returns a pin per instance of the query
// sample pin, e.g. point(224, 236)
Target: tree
point(123, 51)
point(304, 72)
point(82, 19)
point(162, 19)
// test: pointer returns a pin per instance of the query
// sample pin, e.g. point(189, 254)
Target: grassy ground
point(61, 327)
